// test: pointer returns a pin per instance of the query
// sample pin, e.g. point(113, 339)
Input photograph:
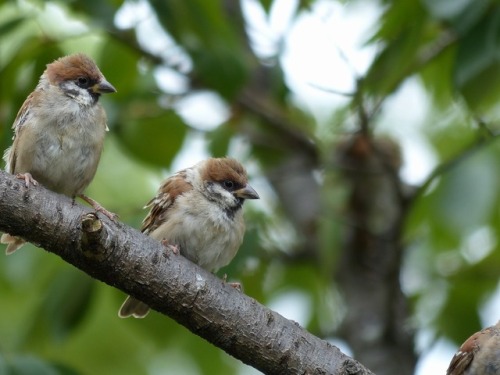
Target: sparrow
point(198, 211)
point(59, 132)
point(479, 354)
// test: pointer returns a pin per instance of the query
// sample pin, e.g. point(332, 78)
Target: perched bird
point(479, 354)
point(59, 131)
point(199, 211)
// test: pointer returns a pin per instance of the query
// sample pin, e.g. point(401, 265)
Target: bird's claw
point(234, 285)
point(173, 248)
point(28, 179)
point(96, 206)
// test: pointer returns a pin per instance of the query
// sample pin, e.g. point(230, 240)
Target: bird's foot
point(96, 206)
point(236, 286)
point(168, 246)
point(28, 179)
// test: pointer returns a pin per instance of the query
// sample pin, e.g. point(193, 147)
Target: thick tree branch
point(136, 264)
point(368, 270)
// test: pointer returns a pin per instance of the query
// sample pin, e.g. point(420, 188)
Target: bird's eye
point(82, 81)
point(228, 184)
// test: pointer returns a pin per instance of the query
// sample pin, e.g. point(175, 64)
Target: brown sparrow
point(59, 131)
point(479, 354)
point(199, 212)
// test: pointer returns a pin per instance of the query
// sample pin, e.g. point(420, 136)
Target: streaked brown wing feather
point(22, 116)
point(23, 112)
point(459, 363)
point(463, 358)
point(164, 200)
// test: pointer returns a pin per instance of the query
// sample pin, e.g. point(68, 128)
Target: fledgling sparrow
point(59, 131)
point(199, 211)
point(479, 354)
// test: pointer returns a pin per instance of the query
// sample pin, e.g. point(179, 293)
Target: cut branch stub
point(92, 231)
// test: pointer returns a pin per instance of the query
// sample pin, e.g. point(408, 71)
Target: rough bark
point(136, 264)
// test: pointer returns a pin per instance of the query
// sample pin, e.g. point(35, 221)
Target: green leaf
point(101, 13)
point(403, 32)
point(67, 301)
point(305, 4)
point(219, 140)
point(127, 199)
point(155, 140)
point(459, 317)
point(194, 23)
point(221, 68)
point(477, 66)
point(474, 184)
point(400, 16)
point(447, 9)
point(11, 24)
point(462, 199)
point(123, 75)
point(461, 14)
point(213, 39)
point(30, 365)
point(266, 4)
point(441, 88)
point(3, 365)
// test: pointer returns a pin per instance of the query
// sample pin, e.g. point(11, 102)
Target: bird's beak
point(246, 192)
point(103, 87)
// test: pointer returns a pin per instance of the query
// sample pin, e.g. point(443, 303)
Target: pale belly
point(67, 170)
point(64, 164)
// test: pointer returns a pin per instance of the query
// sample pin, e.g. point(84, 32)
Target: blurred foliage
point(55, 320)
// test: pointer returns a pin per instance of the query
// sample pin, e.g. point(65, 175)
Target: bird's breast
point(204, 234)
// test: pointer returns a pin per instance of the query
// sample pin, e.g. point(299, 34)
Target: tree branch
point(138, 265)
